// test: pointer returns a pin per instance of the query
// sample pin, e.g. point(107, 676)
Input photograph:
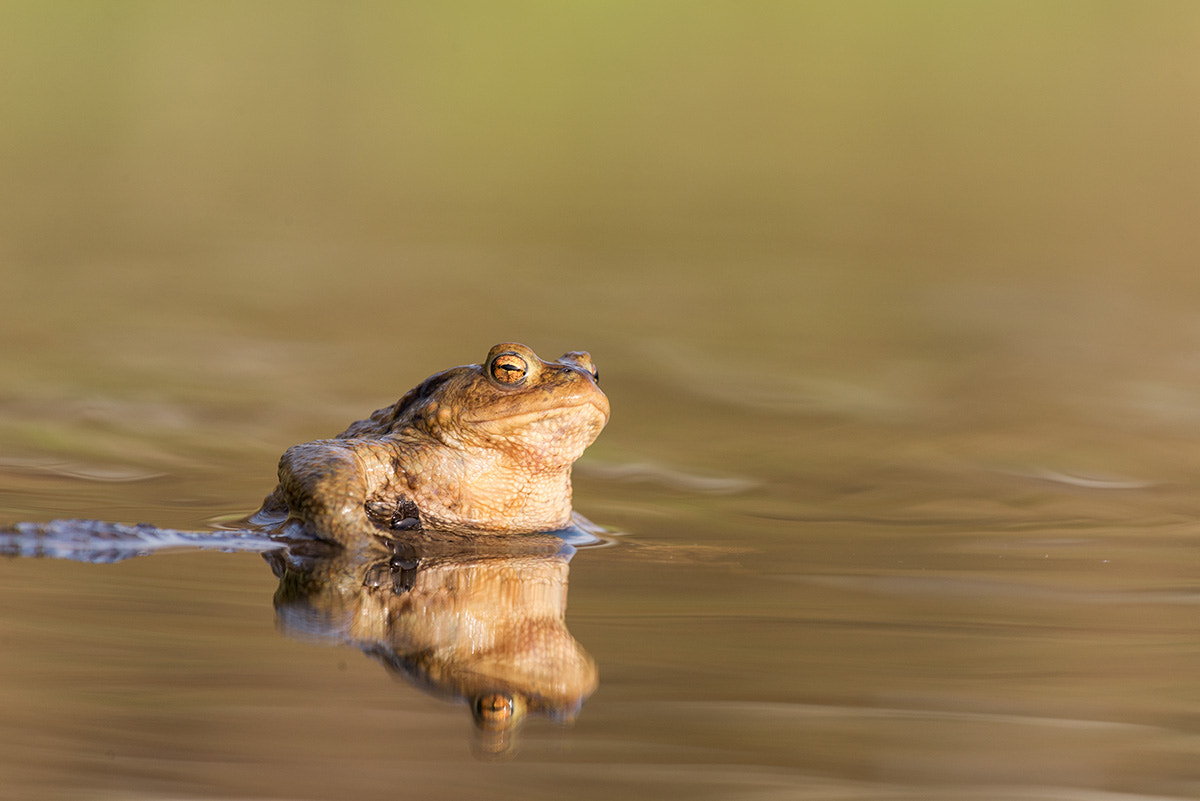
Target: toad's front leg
point(329, 486)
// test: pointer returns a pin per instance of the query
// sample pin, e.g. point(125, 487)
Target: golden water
point(896, 305)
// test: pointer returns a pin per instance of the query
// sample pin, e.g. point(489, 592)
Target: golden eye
point(509, 368)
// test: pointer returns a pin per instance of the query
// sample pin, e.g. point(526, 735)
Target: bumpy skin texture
point(483, 447)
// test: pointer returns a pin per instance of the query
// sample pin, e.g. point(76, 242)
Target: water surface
point(895, 305)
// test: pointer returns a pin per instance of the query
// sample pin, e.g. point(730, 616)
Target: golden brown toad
point(483, 447)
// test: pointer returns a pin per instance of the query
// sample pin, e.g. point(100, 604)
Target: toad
point(480, 448)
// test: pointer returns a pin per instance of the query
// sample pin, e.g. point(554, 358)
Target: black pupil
point(509, 371)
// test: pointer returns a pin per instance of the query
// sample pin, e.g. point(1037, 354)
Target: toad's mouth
point(532, 417)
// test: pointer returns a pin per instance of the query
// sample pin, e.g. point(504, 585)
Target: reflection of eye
point(509, 368)
point(493, 708)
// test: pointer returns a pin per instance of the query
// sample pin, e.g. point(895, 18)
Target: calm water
point(896, 306)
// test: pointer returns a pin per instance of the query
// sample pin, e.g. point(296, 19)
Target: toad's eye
point(509, 368)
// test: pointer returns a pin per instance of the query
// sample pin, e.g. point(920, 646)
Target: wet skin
point(483, 448)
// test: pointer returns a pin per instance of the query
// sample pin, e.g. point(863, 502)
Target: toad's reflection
point(476, 619)
point(480, 625)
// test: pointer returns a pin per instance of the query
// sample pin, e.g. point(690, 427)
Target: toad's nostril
point(571, 368)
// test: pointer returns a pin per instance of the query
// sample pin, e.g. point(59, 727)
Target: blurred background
point(226, 227)
point(928, 265)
